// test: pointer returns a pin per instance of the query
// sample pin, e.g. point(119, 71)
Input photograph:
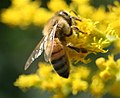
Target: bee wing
point(36, 52)
point(49, 43)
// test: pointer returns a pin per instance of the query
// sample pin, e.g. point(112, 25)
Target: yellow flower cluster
point(46, 79)
point(26, 81)
point(25, 12)
point(89, 38)
point(108, 68)
point(97, 30)
point(105, 79)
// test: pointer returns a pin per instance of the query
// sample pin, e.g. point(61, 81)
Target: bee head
point(65, 15)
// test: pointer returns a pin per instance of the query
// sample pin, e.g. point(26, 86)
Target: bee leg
point(76, 18)
point(73, 12)
point(74, 48)
point(82, 50)
point(77, 30)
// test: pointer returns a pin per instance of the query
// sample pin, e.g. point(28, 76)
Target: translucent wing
point(36, 52)
point(49, 43)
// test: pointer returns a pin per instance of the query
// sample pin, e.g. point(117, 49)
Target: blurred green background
point(16, 45)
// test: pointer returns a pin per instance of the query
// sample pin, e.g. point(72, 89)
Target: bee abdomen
point(61, 66)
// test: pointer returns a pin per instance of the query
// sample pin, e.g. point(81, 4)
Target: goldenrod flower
point(108, 68)
point(56, 5)
point(97, 86)
point(108, 76)
point(27, 81)
point(78, 86)
point(100, 14)
point(46, 79)
point(41, 16)
point(89, 38)
point(116, 85)
point(20, 13)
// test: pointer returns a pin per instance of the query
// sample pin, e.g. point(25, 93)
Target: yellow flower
point(97, 86)
point(100, 62)
point(20, 3)
point(78, 80)
point(46, 85)
point(27, 81)
point(46, 79)
point(116, 85)
point(56, 5)
point(100, 14)
point(20, 13)
point(81, 72)
point(79, 75)
point(78, 86)
point(106, 75)
point(109, 74)
point(41, 16)
point(13, 19)
point(109, 68)
point(44, 70)
point(88, 37)
point(82, 7)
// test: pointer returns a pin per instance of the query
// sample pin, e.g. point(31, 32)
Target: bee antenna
point(73, 12)
point(76, 18)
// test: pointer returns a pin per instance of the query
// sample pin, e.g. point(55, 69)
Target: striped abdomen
point(59, 59)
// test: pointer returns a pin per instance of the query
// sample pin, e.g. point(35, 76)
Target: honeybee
point(53, 43)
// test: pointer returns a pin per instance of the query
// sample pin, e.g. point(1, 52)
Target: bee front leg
point(76, 18)
point(77, 30)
